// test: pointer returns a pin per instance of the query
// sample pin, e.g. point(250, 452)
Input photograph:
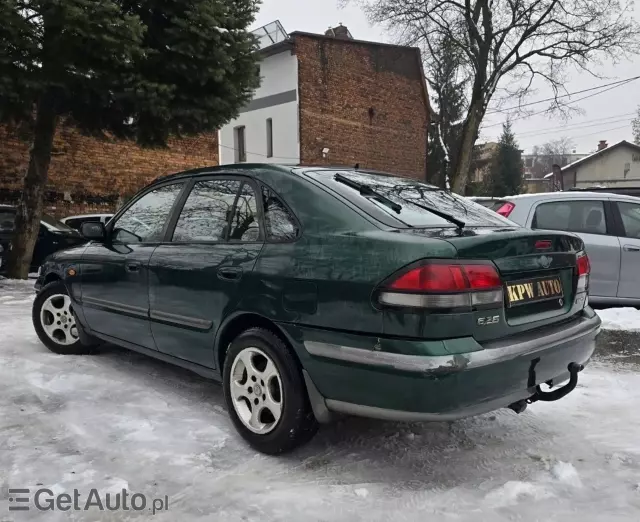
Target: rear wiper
point(457, 222)
point(367, 191)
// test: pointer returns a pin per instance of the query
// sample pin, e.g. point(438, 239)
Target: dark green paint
point(321, 287)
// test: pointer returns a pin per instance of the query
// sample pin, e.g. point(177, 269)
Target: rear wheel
point(54, 321)
point(265, 393)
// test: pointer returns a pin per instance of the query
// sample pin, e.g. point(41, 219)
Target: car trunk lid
point(538, 273)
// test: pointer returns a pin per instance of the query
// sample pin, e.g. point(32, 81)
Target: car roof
point(570, 195)
point(294, 170)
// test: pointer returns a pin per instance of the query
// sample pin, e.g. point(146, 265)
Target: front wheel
point(265, 393)
point(54, 321)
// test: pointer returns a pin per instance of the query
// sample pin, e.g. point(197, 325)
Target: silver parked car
point(609, 225)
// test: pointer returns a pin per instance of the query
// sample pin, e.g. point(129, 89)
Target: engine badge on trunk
point(534, 290)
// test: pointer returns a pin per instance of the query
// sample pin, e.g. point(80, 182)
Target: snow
point(442, 144)
point(121, 420)
point(620, 319)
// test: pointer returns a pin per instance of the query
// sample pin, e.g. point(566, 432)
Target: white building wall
point(276, 98)
point(619, 167)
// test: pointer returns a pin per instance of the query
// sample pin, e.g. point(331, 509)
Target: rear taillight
point(584, 269)
point(506, 209)
point(444, 285)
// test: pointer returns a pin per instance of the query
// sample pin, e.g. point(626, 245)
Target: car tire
point(55, 323)
point(265, 393)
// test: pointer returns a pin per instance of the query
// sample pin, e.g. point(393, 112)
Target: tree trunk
point(465, 153)
point(29, 211)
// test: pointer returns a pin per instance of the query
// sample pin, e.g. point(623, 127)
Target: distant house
point(537, 165)
point(483, 154)
point(328, 99)
point(615, 165)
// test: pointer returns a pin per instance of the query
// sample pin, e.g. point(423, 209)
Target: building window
point(240, 145)
point(269, 138)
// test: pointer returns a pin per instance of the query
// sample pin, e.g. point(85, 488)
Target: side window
point(7, 220)
point(571, 216)
point(630, 213)
point(280, 225)
point(206, 213)
point(244, 223)
point(145, 219)
point(74, 223)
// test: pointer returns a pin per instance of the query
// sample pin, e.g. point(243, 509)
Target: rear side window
point(630, 213)
point(7, 220)
point(77, 222)
point(586, 217)
point(245, 226)
point(410, 194)
point(280, 224)
point(207, 211)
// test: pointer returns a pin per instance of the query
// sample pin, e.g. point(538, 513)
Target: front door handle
point(229, 273)
point(629, 248)
point(132, 267)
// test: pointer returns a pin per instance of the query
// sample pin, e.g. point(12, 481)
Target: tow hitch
point(554, 395)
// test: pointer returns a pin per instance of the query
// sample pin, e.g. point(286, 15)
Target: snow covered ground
point(620, 319)
point(119, 419)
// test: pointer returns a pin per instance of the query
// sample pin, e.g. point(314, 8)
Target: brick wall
point(92, 175)
point(365, 102)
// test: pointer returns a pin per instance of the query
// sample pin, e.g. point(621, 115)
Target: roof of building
point(595, 155)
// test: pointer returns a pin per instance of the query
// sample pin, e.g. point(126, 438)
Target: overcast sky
point(606, 116)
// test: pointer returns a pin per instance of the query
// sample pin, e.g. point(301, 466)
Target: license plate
point(534, 291)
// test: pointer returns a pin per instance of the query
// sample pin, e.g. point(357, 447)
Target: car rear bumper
point(397, 386)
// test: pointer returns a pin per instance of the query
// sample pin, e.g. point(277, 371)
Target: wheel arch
point(51, 277)
point(238, 323)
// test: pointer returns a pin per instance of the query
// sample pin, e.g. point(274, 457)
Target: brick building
point(323, 99)
point(94, 175)
point(330, 99)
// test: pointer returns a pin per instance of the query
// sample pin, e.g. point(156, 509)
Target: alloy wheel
point(58, 322)
point(256, 390)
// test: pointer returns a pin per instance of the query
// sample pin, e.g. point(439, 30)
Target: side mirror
point(93, 231)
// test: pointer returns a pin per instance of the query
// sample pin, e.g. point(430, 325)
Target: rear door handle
point(132, 267)
point(629, 248)
point(230, 273)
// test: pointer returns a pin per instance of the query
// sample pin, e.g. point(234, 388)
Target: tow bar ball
point(554, 395)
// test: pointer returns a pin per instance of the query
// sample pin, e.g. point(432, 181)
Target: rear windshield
point(54, 224)
point(405, 192)
point(491, 204)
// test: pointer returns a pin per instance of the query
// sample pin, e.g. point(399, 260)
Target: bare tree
point(508, 43)
point(554, 152)
point(635, 124)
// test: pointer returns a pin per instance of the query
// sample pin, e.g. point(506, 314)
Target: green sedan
point(314, 292)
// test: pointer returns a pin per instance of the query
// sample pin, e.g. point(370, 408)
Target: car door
point(629, 215)
point(114, 274)
point(591, 219)
point(197, 274)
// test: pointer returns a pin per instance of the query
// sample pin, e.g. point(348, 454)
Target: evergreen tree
point(448, 85)
point(506, 174)
point(137, 69)
point(636, 128)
